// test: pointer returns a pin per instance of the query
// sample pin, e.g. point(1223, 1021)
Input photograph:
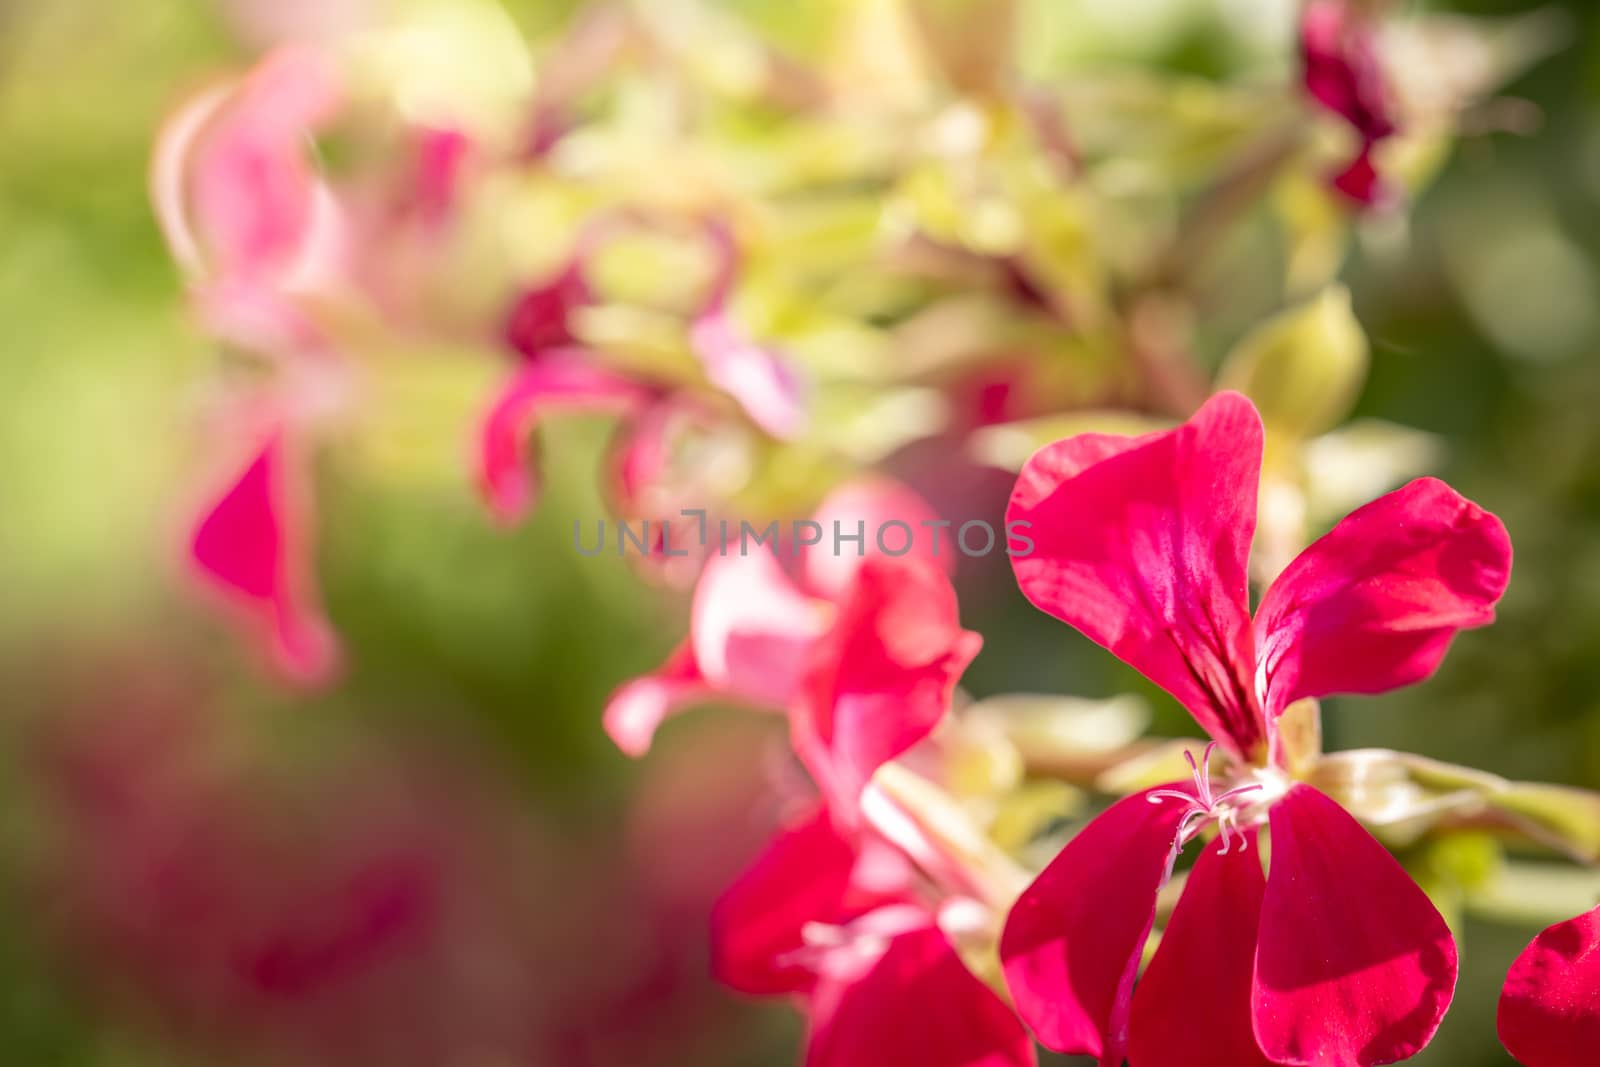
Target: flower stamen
point(1205, 805)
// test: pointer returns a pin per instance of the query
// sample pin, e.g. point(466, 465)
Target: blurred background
point(442, 859)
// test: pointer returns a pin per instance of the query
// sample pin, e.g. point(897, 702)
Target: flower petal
point(562, 381)
point(803, 876)
point(865, 506)
point(253, 189)
point(541, 317)
point(763, 382)
point(1373, 605)
point(1072, 943)
point(1550, 1007)
point(1192, 1007)
point(1342, 70)
point(917, 1005)
point(1354, 966)
point(882, 677)
point(753, 631)
point(639, 707)
point(1142, 543)
point(251, 545)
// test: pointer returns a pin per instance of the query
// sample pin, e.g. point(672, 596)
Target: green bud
point(1304, 367)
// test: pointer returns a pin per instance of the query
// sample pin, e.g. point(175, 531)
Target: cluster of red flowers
point(1331, 955)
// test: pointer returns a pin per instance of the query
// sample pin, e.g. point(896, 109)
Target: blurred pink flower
point(755, 631)
point(1339, 958)
point(1343, 73)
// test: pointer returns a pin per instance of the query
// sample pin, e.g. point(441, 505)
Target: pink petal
point(639, 707)
point(252, 547)
point(753, 632)
point(1550, 1008)
point(765, 385)
point(1142, 544)
point(253, 188)
point(1342, 70)
point(865, 506)
point(1354, 966)
point(916, 1006)
point(1374, 604)
point(562, 381)
point(1360, 180)
point(1072, 943)
point(803, 876)
point(882, 677)
point(1192, 1007)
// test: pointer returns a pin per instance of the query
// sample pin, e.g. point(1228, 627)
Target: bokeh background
point(443, 860)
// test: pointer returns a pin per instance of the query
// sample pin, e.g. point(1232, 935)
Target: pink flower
point(560, 374)
point(840, 922)
point(245, 215)
point(1335, 957)
point(1550, 1008)
point(1343, 73)
point(563, 380)
point(755, 632)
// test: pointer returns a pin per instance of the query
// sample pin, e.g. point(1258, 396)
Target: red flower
point(1335, 957)
point(840, 922)
point(1344, 75)
point(1550, 1008)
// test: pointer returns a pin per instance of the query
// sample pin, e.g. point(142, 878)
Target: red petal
point(252, 545)
point(753, 631)
point(866, 506)
point(882, 677)
point(1192, 1007)
point(1374, 604)
point(1072, 943)
point(1142, 544)
point(1342, 70)
point(803, 876)
point(540, 320)
point(916, 1006)
point(559, 382)
point(638, 708)
point(1354, 966)
point(1550, 1008)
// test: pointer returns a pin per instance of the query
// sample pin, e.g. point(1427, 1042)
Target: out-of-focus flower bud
point(1304, 367)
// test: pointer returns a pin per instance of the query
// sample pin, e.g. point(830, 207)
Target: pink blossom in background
point(754, 629)
point(1142, 544)
point(560, 381)
point(246, 216)
point(1343, 73)
point(1550, 1007)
